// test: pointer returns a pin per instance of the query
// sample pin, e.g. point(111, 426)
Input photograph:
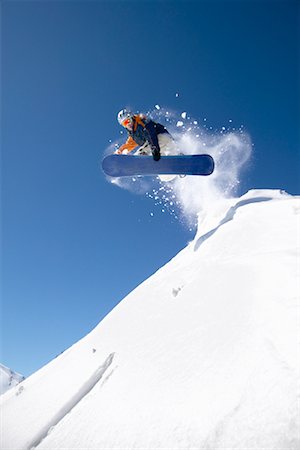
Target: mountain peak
point(8, 379)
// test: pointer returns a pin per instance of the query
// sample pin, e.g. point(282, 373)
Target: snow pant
point(166, 144)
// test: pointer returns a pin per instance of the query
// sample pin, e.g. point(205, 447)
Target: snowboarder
point(151, 137)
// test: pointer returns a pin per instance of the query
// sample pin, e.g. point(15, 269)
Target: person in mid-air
point(151, 137)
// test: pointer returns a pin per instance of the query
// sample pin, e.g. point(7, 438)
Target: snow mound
point(8, 379)
point(203, 354)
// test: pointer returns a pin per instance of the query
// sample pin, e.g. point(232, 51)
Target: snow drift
point(203, 354)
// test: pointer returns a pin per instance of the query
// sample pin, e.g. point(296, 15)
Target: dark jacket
point(144, 131)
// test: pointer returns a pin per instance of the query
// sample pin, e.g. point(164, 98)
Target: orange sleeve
point(129, 145)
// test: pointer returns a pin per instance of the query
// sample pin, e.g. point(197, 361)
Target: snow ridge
point(228, 217)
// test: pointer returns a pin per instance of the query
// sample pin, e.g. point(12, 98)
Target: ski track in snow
point(73, 401)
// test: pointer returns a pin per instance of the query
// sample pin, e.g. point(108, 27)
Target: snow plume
point(192, 197)
point(198, 195)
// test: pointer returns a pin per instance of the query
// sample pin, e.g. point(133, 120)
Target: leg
point(144, 150)
point(167, 145)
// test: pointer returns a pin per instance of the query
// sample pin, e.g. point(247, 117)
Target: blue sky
point(73, 244)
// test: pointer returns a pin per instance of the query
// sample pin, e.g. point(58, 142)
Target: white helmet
point(123, 115)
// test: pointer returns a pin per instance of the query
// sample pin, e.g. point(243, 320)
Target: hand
point(156, 154)
point(122, 152)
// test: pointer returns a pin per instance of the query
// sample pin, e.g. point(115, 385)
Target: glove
point(156, 154)
point(121, 152)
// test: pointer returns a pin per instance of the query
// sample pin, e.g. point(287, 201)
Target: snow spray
point(191, 198)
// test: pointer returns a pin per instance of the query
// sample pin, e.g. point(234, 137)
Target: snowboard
point(130, 165)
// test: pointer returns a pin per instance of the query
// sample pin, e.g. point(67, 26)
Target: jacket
point(144, 130)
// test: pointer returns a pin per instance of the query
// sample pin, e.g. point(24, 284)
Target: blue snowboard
point(129, 165)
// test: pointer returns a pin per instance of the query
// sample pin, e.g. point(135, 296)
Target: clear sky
point(73, 245)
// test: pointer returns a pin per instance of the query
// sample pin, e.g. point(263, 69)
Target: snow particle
point(157, 107)
point(179, 123)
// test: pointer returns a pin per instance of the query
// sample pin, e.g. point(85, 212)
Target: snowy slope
point(8, 379)
point(203, 354)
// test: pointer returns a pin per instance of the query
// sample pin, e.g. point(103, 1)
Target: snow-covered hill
point(203, 354)
point(8, 379)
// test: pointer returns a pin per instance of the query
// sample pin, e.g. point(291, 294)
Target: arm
point(151, 135)
point(129, 145)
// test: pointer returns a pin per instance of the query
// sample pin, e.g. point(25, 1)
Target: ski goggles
point(127, 122)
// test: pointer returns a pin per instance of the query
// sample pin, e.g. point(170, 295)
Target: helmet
point(123, 115)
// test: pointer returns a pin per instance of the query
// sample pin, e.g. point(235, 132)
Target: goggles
point(127, 121)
